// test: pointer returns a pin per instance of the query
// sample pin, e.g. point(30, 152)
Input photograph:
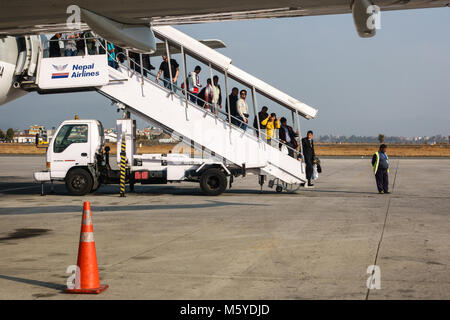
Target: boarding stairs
point(176, 113)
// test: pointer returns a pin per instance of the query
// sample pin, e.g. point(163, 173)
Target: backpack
point(201, 96)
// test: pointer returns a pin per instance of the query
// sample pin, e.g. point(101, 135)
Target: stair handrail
point(297, 155)
point(186, 95)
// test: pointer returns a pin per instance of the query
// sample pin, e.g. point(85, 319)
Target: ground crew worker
point(380, 163)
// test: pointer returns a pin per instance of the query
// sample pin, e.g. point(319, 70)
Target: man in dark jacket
point(233, 97)
point(380, 164)
point(262, 116)
point(90, 42)
point(287, 136)
point(55, 50)
point(309, 154)
point(135, 61)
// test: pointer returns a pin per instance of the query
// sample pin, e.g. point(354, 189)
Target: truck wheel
point(279, 188)
point(79, 182)
point(213, 182)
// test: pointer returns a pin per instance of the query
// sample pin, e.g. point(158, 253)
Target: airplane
point(128, 23)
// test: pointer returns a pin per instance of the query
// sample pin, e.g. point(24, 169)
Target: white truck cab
point(77, 156)
point(75, 144)
point(73, 154)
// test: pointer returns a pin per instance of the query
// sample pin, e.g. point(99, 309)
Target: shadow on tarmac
point(24, 233)
point(130, 207)
point(26, 188)
point(50, 285)
point(340, 191)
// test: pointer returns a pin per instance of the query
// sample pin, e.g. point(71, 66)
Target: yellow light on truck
point(48, 165)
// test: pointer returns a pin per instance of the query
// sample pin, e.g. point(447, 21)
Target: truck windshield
point(70, 133)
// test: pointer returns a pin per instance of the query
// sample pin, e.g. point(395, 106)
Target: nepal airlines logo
point(60, 75)
point(78, 71)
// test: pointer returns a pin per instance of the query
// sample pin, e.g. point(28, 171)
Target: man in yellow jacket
point(271, 123)
point(380, 164)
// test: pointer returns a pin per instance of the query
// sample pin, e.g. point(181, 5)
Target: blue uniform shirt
point(384, 161)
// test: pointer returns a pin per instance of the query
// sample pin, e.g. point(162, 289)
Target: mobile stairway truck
point(80, 160)
point(77, 155)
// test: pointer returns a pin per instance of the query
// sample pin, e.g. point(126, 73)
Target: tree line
point(8, 136)
point(381, 138)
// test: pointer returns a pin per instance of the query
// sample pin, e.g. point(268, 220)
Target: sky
point(397, 83)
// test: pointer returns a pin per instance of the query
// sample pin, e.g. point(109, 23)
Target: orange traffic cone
point(89, 281)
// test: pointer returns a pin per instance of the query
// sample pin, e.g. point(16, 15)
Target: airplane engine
point(134, 37)
point(363, 11)
point(10, 48)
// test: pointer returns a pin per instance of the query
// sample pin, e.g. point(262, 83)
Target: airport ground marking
point(374, 270)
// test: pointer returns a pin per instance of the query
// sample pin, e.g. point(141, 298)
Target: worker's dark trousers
point(309, 169)
point(382, 180)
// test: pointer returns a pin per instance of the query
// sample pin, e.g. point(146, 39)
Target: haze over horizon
point(396, 83)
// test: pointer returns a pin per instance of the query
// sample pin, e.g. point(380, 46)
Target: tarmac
point(171, 242)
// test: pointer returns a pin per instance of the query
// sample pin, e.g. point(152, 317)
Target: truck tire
point(79, 182)
point(213, 182)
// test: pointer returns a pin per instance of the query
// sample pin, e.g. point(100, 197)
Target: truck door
point(71, 147)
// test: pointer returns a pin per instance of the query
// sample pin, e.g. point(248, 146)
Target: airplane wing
point(48, 16)
point(316, 8)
